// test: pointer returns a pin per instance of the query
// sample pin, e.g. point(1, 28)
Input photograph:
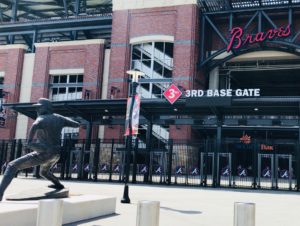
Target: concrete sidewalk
point(183, 206)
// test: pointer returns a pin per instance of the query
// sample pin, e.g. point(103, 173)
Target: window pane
point(79, 89)
point(136, 52)
point(79, 78)
point(63, 79)
point(62, 90)
point(55, 79)
point(169, 49)
point(157, 67)
point(159, 46)
point(54, 91)
point(73, 78)
point(72, 89)
point(167, 73)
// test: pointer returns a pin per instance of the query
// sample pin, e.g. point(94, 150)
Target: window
point(66, 87)
point(155, 59)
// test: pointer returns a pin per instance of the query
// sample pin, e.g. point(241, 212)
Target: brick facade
point(11, 62)
point(181, 22)
point(89, 57)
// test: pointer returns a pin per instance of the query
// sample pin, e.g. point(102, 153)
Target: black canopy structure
point(160, 111)
point(31, 21)
point(229, 5)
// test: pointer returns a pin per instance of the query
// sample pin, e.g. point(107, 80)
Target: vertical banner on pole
point(135, 115)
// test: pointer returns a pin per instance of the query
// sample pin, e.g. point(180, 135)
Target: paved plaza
point(182, 206)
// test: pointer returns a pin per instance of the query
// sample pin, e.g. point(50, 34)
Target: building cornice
point(13, 46)
point(144, 4)
point(70, 43)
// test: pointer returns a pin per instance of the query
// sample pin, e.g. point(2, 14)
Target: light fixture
point(255, 109)
point(175, 109)
point(106, 110)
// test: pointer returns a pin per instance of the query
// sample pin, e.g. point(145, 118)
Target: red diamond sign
point(172, 94)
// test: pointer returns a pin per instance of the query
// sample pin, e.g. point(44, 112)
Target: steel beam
point(216, 30)
point(65, 8)
point(269, 19)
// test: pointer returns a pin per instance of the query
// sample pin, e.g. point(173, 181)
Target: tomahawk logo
point(87, 168)
point(179, 170)
point(117, 169)
point(104, 168)
point(144, 169)
point(75, 168)
point(225, 171)
point(242, 172)
point(195, 171)
point(158, 170)
point(284, 174)
point(266, 172)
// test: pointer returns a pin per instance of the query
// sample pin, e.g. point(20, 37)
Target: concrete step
point(75, 208)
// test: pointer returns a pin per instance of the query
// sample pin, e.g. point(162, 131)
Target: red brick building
point(236, 63)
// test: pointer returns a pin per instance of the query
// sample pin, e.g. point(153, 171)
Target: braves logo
point(225, 171)
point(179, 170)
point(158, 170)
point(117, 169)
point(266, 173)
point(284, 174)
point(242, 172)
point(104, 168)
point(194, 171)
point(143, 169)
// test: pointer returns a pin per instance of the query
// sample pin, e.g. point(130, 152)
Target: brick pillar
point(119, 64)
point(11, 62)
point(185, 58)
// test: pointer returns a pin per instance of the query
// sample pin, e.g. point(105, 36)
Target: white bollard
point(148, 213)
point(50, 212)
point(244, 214)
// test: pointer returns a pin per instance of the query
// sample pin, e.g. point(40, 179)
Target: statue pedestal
point(75, 208)
point(39, 193)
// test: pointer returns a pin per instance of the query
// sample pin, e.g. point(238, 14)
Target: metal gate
point(265, 173)
point(207, 168)
point(224, 168)
point(158, 166)
point(284, 175)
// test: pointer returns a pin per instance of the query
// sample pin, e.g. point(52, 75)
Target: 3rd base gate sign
point(172, 94)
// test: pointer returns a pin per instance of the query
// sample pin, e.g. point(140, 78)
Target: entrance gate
point(224, 168)
point(158, 166)
point(284, 175)
point(207, 168)
point(265, 173)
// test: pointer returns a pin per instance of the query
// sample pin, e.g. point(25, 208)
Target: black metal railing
point(255, 164)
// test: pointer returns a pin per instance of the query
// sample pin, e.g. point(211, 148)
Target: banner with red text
point(135, 115)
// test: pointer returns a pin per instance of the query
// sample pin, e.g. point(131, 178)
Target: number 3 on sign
point(172, 93)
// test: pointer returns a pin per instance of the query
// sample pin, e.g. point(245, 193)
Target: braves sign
point(239, 38)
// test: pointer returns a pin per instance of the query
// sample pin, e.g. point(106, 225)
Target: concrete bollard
point(50, 212)
point(244, 214)
point(148, 213)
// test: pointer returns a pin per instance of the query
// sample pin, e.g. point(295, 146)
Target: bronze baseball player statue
point(46, 149)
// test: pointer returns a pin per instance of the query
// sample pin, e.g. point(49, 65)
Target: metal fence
point(237, 165)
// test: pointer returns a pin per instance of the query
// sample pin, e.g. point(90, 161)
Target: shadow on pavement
point(91, 220)
point(181, 211)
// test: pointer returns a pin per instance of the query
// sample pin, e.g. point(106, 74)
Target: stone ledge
point(76, 208)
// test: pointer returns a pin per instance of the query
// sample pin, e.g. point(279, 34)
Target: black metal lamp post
point(134, 84)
